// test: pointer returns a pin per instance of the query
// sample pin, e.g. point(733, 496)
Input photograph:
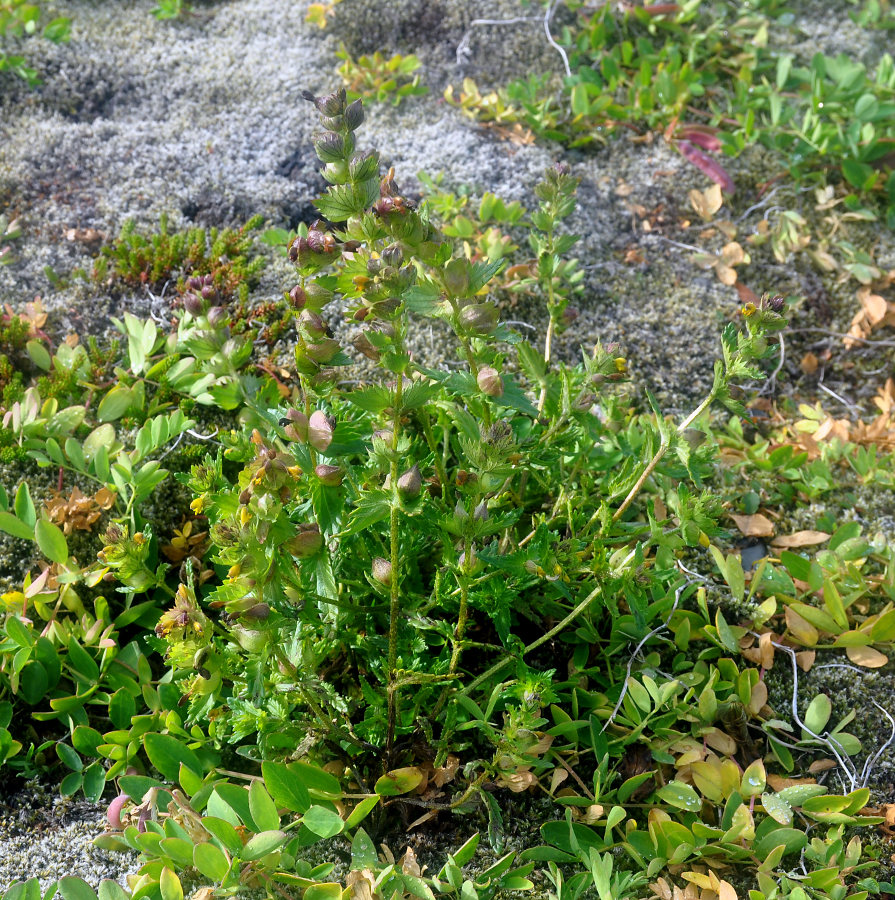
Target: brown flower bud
point(245, 496)
point(331, 476)
point(209, 292)
point(777, 303)
point(194, 284)
point(410, 483)
point(489, 381)
point(321, 242)
point(382, 571)
point(331, 104)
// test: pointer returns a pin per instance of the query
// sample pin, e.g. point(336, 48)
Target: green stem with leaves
point(394, 559)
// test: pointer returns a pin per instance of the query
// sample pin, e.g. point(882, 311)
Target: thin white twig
point(463, 46)
point(871, 762)
point(772, 378)
point(839, 334)
point(826, 740)
point(637, 649)
point(548, 15)
point(758, 205)
point(849, 406)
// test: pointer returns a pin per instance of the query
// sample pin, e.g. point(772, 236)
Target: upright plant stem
point(663, 449)
point(551, 327)
point(394, 607)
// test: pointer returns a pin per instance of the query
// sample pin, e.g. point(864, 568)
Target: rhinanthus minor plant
point(393, 548)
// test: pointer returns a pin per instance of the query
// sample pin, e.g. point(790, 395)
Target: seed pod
point(297, 297)
point(392, 256)
point(322, 352)
point(410, 483)
point(313, 325)
point(382, 571)
point(474, 564)
point(362, 344)
point(297, 429)
point(217, 315)
point(330, 147)
point(306, 543)
point(331, 476)
point(193, 304)
point(259, 612)
point(332, 104)
point(490, 382)
point(354, 114)
point(320, 431)
point(363, 166)
point(480, 318)
point(456, 277)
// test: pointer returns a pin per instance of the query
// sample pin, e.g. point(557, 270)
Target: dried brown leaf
point(755, 525)
point(800, 539)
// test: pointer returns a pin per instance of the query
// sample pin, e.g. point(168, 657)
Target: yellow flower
point(198, 505)
point(749, 309)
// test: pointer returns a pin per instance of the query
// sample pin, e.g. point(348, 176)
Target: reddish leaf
point(707, 165)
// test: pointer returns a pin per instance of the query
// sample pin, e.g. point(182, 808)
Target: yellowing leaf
point(866, 656)
point(801, 629)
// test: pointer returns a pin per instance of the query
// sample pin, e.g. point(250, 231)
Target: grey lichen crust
point(47, 837)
